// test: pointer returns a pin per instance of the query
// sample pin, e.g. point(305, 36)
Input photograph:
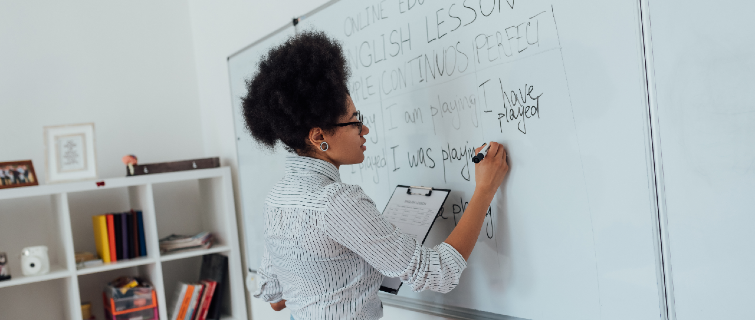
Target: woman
point(327, 248)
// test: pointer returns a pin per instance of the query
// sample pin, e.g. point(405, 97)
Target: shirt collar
point(306, 165)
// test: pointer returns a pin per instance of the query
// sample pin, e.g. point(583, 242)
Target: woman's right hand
point(489, 172)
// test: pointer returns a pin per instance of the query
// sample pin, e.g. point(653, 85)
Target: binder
point(118, 236)
point(142, 243)
point(124, 236)
point(99, 223)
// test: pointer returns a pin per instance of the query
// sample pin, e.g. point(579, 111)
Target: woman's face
point(346, 143)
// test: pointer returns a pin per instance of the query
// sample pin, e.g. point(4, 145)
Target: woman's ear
point(316, 137)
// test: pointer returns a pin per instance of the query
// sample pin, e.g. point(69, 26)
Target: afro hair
point(299, 85)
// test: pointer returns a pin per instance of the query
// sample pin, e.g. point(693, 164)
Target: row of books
point(202, 300)
point(119, 236)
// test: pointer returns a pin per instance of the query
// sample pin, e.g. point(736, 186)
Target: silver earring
point(324, 146)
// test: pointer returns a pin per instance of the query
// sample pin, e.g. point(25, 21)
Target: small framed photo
point(69, 152)
point(17, 174)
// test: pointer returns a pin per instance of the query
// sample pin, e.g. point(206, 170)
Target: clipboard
point(414, 211)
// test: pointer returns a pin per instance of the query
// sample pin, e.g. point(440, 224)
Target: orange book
point(111, 238)
point(186, 302)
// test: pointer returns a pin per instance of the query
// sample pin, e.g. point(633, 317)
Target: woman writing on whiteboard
point(327, 248)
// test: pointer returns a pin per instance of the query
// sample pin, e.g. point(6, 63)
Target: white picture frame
point(70, 153)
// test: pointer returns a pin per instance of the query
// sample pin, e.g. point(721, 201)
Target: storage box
point(145, 314)
point(138, 306)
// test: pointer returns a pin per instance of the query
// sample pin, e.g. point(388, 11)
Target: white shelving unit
point(59, 216)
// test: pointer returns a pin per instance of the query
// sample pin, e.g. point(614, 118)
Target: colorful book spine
point(124, 236)
point(198, 288)
point(142, 243)
point(204, 305)
point(135, 233)
point(100, 237)
point(130, 234)
point(186, 302)
point(111, 238)
point(178, 300)
point(118, 244)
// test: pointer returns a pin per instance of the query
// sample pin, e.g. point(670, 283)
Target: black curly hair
point(299, 85)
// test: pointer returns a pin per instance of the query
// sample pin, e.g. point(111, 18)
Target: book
point(111, 237)
point(134, 233)
point(204, 305)
point(124, 236)
point(185, 302)
point(130, 234)
point(99, 222)
point(215, 268)
point(142, 243)
point(198, 288)
point(175, 304)
point(117, 227)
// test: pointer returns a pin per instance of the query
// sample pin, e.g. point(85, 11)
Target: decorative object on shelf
point(162, 167)
point(70, 152)
point(4, 269)
point(130, 161)
point(175, 242)
point(34, 261)
point(17, 174)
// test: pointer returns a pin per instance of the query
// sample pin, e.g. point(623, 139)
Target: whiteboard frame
point(660, 227)
point(661, 239)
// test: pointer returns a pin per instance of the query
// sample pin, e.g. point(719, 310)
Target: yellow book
point(100, 237)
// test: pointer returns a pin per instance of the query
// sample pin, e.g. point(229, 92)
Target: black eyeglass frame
point(359, 123)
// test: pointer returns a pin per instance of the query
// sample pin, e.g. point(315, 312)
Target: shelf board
point(194, 252)
point(56, 272)
point(48, 189)
point(116, 265)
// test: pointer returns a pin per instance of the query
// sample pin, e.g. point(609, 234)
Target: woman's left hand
point(278, 306)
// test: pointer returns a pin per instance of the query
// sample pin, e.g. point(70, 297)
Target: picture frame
point(70, 153)
point(17, 174)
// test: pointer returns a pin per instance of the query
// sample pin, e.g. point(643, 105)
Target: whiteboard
point(252, 160)
point(570, 233)
point(704, 75)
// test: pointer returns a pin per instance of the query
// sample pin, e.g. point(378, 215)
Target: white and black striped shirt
point(327, 248)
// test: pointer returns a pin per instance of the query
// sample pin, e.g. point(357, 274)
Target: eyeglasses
point(359, 123)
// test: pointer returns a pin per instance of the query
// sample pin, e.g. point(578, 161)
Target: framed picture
point(69, 152)
point(17, 174)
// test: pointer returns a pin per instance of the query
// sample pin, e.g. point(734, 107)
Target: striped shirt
point(327, 248)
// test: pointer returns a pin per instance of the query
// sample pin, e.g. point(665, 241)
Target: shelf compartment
point(194, 253)
point(91, 285)
point(56, 272)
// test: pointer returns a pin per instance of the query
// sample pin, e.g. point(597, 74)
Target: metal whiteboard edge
point(666, 284)
point(316, 10)
point(442, 311)
point(274, 32)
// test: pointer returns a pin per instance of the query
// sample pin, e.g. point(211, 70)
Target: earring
point(324, 146)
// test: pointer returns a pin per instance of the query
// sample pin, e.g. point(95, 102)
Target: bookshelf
point(59, 217)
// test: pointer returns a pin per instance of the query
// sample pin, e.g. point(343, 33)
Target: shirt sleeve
point(351, 219)
point(268, 287)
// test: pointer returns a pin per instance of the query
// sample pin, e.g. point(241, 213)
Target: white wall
point(220, 29)
point(126, 66)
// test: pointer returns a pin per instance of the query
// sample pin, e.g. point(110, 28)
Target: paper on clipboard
point(412, 210)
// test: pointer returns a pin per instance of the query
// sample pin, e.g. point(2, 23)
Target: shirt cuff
point(455, 255)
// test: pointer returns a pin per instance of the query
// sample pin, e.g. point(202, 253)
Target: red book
point(111, 237)
point(204, 303)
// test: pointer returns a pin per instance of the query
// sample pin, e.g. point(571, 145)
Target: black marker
point(483, 153)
